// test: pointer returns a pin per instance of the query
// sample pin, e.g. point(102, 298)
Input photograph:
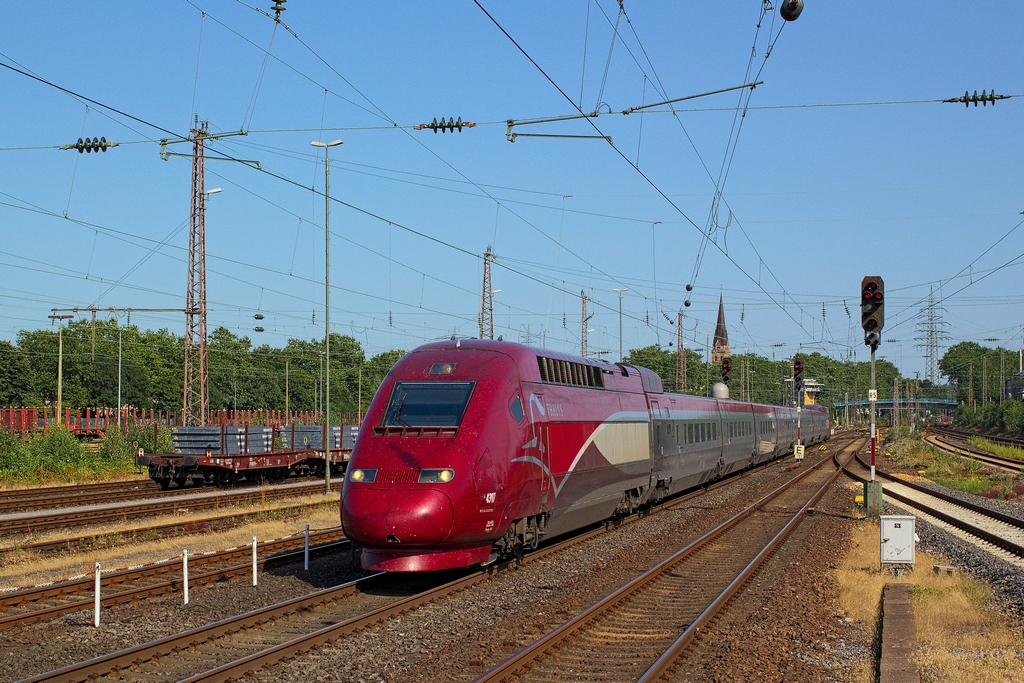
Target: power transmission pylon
point(931, 334)
point(487, 299)
point(196, 402)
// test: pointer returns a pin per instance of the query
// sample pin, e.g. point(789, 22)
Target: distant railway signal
point(726, 371)
point(449, 126)
point(94, 145)
point(798, 371)
point(872, 310)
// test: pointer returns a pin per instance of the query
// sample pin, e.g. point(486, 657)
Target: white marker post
point(307, 549)
point(96, 606)
point(184, 569)
point(255, 578)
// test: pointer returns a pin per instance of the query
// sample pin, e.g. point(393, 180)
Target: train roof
point(615, 376)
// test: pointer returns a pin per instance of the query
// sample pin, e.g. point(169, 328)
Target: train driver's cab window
point(428, 404)
point(516, 407)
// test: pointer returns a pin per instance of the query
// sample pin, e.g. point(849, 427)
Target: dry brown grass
point(29, 568)
point(961, 637)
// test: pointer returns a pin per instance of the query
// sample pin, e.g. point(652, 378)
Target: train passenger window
point(517, 408)
point(701, 438)
point(428, 404)
point(689, 433)
point(714, 431)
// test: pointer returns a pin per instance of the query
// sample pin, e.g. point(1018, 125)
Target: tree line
point(242, 376)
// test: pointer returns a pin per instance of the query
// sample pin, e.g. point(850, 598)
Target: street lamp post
point(327, 305)
point(60, 363)
point(620, 291)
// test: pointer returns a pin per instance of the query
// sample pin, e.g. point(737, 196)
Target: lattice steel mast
point(931, 334)
point(196, 402)
point(487, 299)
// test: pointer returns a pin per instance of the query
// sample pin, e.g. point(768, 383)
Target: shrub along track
point(132, 585)
point(27, 522)
point(639, 631)
point(229, 648)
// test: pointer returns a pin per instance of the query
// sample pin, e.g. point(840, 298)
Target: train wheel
point(164, 483)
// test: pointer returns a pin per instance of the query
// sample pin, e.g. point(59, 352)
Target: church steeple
point(720, 347)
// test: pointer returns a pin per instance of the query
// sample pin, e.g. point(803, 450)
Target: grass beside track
point(999, 449)
point(961, 638)
point(970, 476)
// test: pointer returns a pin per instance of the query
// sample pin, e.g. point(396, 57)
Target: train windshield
point(428, 404)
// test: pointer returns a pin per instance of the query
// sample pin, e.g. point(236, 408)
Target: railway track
point(990, 526)
point(28, 522)
point(149, 533)
point(16, 500)
point(958, 447)
point(132, 585)
point(227, 649)
point(961, 434)
point(640, 630)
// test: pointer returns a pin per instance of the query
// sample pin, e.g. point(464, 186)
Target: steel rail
point(516, 662)
point(661, 665)
point(1019, 443)
point(965, 451)
point(327, 541)
point(987, 536)
point(27, 522)
point(115, 661)
point(150, 532)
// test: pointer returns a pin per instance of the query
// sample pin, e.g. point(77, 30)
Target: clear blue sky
point(819, 196)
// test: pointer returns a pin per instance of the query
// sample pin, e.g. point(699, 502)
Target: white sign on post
point(798, 452)
point(872, 394)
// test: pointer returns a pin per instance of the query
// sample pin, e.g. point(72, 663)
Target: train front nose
point(397, 517)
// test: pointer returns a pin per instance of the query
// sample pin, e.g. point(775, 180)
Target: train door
point(544, 450)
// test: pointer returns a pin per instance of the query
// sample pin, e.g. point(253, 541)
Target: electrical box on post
point(897, 539)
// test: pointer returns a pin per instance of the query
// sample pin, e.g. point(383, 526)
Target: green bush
point(15, 457)
point(56, 452)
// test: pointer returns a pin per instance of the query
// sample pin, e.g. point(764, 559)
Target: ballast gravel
point(459, 637)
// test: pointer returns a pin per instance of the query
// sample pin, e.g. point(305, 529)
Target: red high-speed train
point(474, 449)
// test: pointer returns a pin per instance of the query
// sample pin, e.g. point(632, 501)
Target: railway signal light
point(798, 371)
point(726, 371)
point(450, 126)
point(872, 310)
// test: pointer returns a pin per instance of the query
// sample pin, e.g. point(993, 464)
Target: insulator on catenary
point(87, 145)
point(449, 126)
point(791, 9)
point(984, 98)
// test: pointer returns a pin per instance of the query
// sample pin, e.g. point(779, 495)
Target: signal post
point(872, 318)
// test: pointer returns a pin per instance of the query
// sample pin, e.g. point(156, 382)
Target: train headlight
point(363, 476)
point(436, 476)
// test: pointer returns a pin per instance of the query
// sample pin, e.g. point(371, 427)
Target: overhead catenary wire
point(623, 156)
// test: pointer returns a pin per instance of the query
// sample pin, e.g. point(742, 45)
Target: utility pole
point(196, 397)
point(327, 306)
point(583, 328)
point(984, 379)
point(60, 363)
point(196, 401)
point(970, 399)
point(487, 299)
point(680, 354)
point(846, 409)
point(620, 291)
